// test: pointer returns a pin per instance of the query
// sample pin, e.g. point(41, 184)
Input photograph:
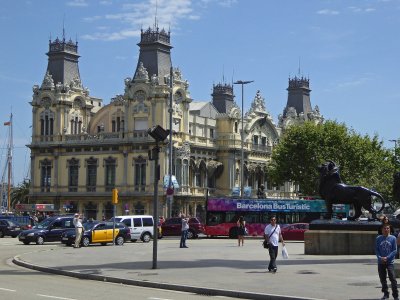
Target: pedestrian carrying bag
point(285, 254)
point(266, 243)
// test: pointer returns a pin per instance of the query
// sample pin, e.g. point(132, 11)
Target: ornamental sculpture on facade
point(141, 74)
point(48, 82)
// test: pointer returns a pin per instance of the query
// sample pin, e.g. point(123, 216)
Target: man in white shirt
point(78, 230)
point(185, 228)
point(272, 234)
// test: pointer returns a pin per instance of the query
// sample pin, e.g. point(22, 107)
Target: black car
point(99, 232)
point(49, 230)
point(9, 228)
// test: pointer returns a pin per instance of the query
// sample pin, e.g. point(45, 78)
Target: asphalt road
point(17, 283)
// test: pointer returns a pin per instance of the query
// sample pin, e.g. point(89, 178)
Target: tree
point(302, 148)
point(20, 193)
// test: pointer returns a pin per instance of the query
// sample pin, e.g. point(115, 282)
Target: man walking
point(386, 249)
point(272, 234)
point(78, 230)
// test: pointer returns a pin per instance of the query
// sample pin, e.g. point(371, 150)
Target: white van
point(141, 226)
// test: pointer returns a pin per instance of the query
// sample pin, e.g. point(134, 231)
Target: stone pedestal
point(339, 242)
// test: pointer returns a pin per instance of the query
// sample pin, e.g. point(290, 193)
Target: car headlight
point(31, 234)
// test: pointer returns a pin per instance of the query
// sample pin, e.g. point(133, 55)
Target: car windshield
point(116, 220)
point(45, 223)
point(88, 225)
point(11, 223)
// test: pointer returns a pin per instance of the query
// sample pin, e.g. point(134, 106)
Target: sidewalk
point(216, 267)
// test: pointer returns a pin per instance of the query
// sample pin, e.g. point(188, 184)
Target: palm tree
point(20, 193)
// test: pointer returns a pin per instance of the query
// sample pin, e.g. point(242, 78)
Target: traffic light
point(115, 196)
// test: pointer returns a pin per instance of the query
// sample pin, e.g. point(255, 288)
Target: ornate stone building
point(82, 149)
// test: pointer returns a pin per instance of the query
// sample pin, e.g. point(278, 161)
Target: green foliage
point(20, 193)
point(362, 160)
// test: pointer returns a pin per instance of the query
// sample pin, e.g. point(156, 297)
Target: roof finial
point(299, 67)
point(63, 28)
point(155, 17)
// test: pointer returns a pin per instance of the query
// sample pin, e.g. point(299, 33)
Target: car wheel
point(85, 241)
point(39, 240)
point(146, 237)
point(119, 240)
point(1, 234)
point(26, 242)
point(190, 234)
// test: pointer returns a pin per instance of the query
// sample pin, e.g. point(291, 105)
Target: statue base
point(337, 237)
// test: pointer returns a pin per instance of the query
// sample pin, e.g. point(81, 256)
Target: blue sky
point(349, 50)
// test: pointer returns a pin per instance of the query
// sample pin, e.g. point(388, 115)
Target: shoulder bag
point(266, 243)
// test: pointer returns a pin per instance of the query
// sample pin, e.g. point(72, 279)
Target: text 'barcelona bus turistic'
point(222, 214)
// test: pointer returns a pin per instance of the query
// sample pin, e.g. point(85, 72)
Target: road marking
point(7, 290)
point(54, 297)
point(153, 298)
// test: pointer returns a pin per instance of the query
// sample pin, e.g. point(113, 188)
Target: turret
point(222, 97)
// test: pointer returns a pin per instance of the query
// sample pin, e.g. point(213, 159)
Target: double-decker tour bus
point(222, 214)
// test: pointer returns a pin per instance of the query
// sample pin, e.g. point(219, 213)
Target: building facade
point(81, 149)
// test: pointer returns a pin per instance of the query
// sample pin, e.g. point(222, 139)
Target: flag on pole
point(7, 123)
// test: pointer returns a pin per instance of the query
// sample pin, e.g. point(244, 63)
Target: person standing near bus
point(184, 231)
point(272, 234)
point(241, 224)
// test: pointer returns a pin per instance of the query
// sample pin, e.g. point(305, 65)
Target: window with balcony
point(140, 174)
point(110, 170)
point(45, 175)
point(73, 174)
point(91, 174)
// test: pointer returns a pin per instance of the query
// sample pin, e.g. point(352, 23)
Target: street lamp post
point(159, 134)
point(170, 110)
point(242, 82)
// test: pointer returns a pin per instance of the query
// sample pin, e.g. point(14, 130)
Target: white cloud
point(78, 3)
point(111, 36)
point(356, 9)
point(92, 19)
point(106, 2)
point(327, 12)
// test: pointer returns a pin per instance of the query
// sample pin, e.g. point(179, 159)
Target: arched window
point(47, 123)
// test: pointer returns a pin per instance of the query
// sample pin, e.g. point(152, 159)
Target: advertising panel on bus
point(223, 213)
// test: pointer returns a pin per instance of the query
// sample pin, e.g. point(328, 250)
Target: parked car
point(9, 228)
point(173, 226)
point(294, 231)
point(49, 230)
point(141, 226)
point(98, 232)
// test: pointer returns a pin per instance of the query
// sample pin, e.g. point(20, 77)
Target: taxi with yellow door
point(99, 232)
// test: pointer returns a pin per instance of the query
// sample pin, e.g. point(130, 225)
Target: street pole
point(156, 150)
point(242, 83)
point(395, 150)
point(170, 110)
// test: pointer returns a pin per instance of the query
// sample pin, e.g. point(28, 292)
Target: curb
point(165, 286)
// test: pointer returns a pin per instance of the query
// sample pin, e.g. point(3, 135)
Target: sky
point(349, 49)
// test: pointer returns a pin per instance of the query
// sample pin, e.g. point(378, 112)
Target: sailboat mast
point(9, 160)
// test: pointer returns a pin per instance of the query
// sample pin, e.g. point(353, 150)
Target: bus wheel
point(233, 233)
